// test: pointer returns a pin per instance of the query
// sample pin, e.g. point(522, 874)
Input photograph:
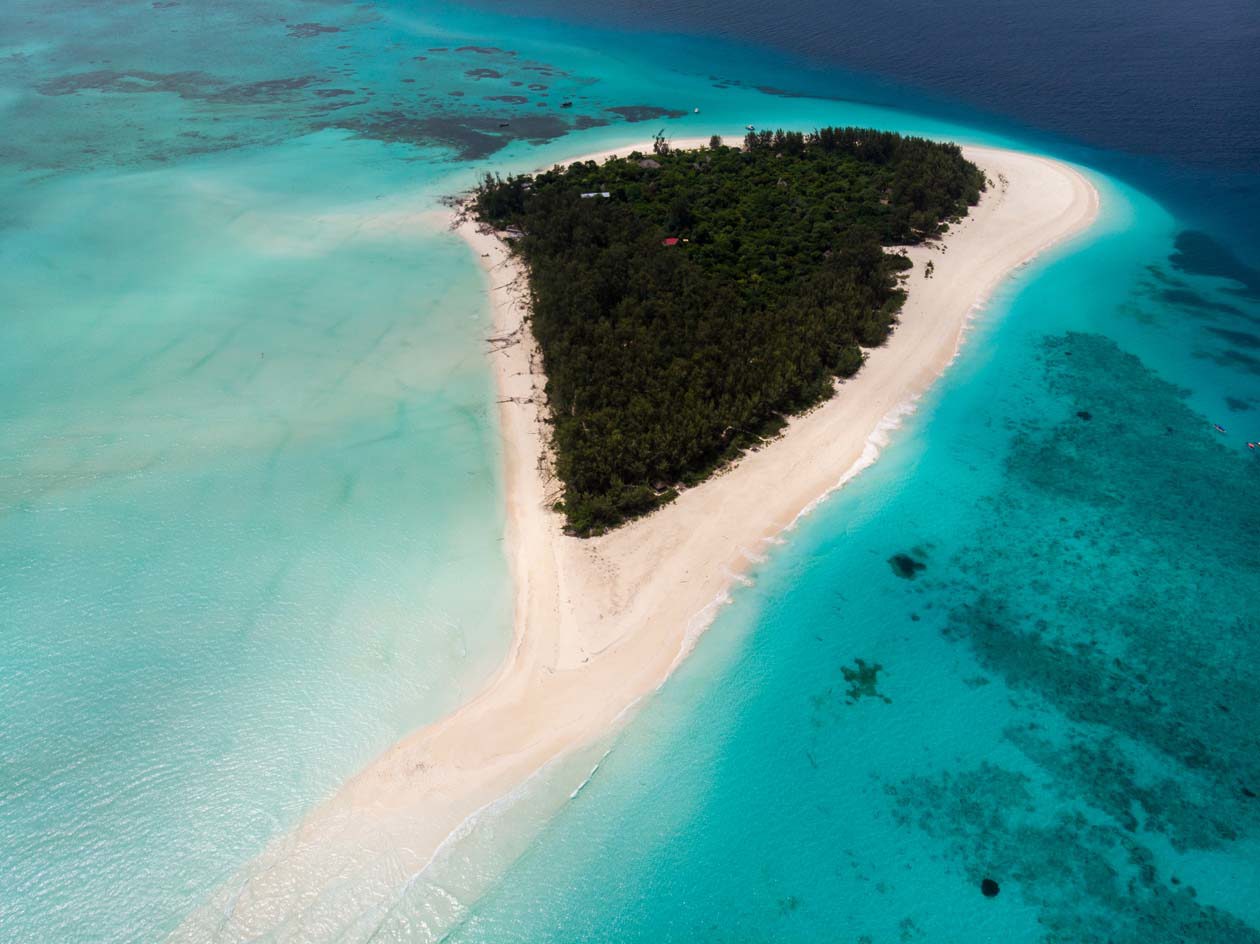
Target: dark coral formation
point(266, 91)
point(308, 30)
point(470, 136)
point(1110, 590)
point(184, 84)
point(1091, 883)
point(1238, 338)
point(1234, 360)
point(224, 108)
point(193, 86)
point(1196, 304)
point(862, 679)
point(1198, 253)
point(777, 92)
point(1153, 655)
point(644, 112)
point(905, 566)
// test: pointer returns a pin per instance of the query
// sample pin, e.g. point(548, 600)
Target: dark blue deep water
point(1166, 93)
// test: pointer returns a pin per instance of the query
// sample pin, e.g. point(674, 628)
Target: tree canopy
point(686, 302)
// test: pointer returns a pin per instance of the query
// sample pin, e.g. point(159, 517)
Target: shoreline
point(600, 623)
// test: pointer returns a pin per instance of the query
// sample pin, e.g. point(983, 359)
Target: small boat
point(1252, 445)
point(750, 127)
point(695, 111)
point(566, 104)
point(1218, 427)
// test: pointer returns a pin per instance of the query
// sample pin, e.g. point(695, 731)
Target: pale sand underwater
point(600, 623)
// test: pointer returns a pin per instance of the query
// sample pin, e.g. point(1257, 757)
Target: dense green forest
point(685, 302)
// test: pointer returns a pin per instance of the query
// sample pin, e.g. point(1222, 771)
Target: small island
point(687, 302)
point(599, 622)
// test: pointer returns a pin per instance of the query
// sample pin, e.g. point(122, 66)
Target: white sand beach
point(601, 622)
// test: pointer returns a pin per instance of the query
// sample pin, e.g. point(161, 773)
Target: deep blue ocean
point(1165, 93)
point(250, 506)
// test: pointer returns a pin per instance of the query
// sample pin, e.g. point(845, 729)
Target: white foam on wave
point(434, 924)
point(470, 822)
point(969, 321)
point(589, 777)
point(879, 438)
point(473, 820)
point(696, 625)
point(752, 556)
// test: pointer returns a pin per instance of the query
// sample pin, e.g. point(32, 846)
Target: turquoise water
point(250, 528)
point(1063, 699)
point(250, 518)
